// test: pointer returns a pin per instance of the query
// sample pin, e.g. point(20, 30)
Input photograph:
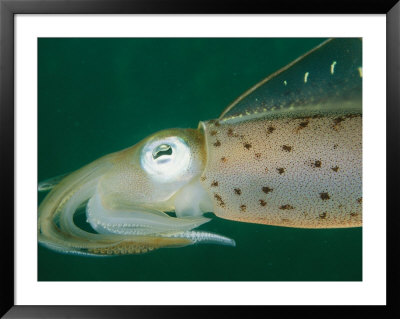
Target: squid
point(287, 152)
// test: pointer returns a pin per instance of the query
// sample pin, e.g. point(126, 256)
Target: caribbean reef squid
point(288, 152)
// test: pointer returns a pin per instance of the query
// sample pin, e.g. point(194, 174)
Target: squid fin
point(327, 78)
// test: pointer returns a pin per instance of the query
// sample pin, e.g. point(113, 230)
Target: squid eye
point(162, 150)
point(166, 159)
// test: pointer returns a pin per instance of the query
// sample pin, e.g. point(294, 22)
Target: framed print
point(206, 154)
point(163, 65)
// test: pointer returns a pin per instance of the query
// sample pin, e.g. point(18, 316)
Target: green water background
point(97, 96)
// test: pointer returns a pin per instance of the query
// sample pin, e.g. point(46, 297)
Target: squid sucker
point(288, 152)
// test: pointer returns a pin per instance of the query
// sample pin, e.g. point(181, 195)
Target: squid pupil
point(163, 149)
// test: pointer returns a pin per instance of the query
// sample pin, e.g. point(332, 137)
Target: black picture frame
point(8, 10)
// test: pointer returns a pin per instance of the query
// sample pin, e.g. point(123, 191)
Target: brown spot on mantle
point(217, 143)
point(317, 163)
point(247, 145)
point(271, 129)
point(262, 202)
point(287, 148)
point(335, 169)
point(324, 196)
point(267, 190)
point(322, 216)
point(287, 206)
point(219, 199)
point(280, 170)
point(214, 184)
point(237, 191)
point(243, 208)
point(302, 125)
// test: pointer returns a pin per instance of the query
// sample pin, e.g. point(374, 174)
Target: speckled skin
point(296, 172)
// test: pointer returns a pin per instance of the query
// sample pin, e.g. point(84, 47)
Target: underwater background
point(100, 95)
